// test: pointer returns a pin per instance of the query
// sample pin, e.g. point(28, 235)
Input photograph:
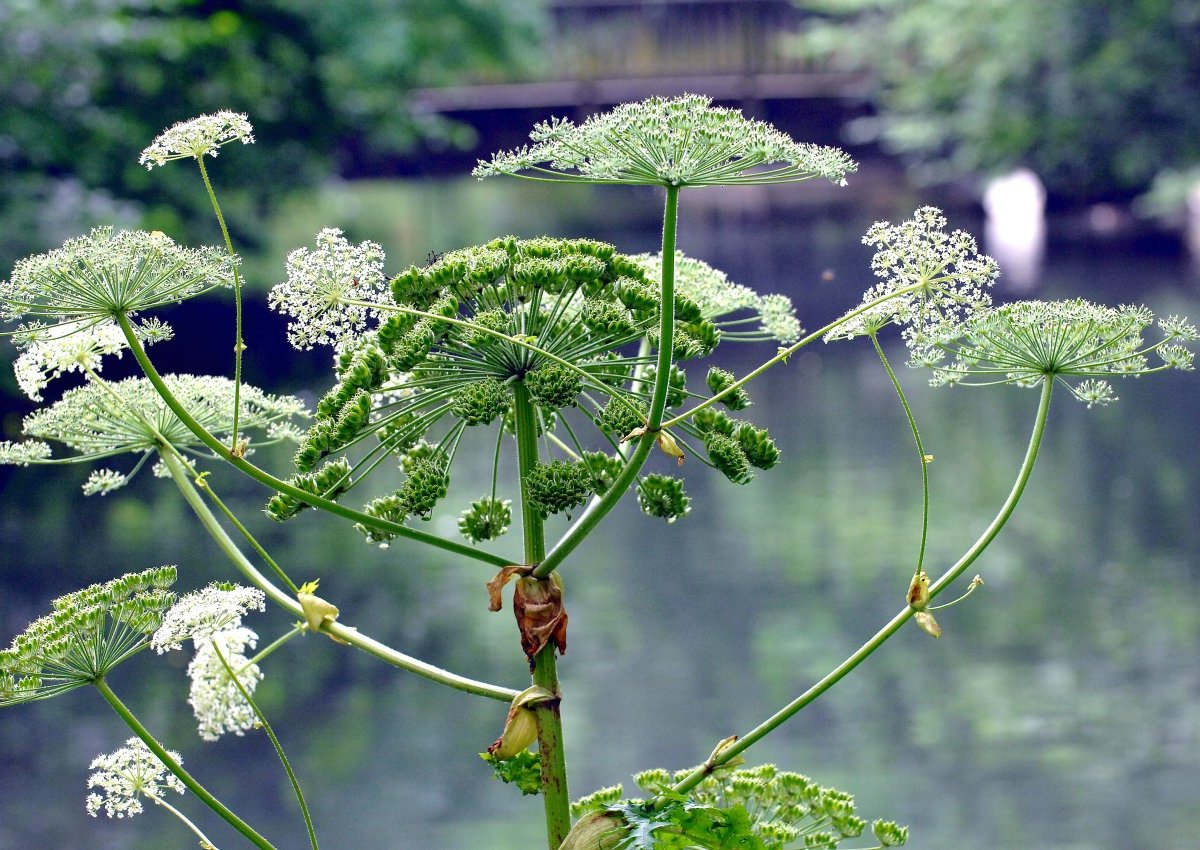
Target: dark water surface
point(1061, 708)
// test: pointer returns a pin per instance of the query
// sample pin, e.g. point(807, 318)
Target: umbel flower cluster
point(86, 634)
point(566, 323)
point(677, 141)
point(212, 619)
point(126, 776)
point(102, 420)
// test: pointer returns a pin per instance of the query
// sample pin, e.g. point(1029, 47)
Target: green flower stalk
point(102, 420)
point(1076, 343)
point(678, 141)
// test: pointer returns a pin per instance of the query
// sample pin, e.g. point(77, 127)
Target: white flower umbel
point(217, 703)
point(71, 347)
point(1077, 343)
point(200, 136)
point(103, 481)
point(732, 306)
point(318, 284)
point(102, 275)
point(200, 614)
point(101, 420)
point(947, 275)
point(677, 141)
point(126, 776)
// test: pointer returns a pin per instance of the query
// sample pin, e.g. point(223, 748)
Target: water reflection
point(1060, 709)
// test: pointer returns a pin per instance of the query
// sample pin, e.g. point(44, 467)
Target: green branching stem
point(238, 344)
point(785, 353)
point(264, 477)
point(863, 652)
point(924, 458)
point(545, 670)
point(176, 768)
point(600, 508)
point(237, 683)
point(205, 841)
point(289, 603)
point(202, 483)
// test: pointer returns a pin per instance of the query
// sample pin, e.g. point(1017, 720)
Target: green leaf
point(523, 770)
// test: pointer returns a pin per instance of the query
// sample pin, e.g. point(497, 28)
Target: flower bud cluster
point(328, 482)
point(558, 486)
point(486, 519)
point(734, 446)
point(86, 635)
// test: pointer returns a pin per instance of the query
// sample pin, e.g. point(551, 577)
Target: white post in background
point(1015, 231)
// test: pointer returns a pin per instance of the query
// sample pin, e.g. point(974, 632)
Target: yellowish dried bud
point(597, 831)
point(520, 726)
point(928, 624)
point(667, 443)
point(317, 611)
point(918, 591)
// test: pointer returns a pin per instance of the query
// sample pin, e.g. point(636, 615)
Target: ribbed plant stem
point(600, 508)
point(545, 671)
point(863, 652)
point(176, 768)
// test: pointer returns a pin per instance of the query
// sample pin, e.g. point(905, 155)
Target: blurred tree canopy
point(85, 85)
point(1098, 98)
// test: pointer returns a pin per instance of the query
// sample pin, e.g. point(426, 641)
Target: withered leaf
point(538, 604)
point(506, 574)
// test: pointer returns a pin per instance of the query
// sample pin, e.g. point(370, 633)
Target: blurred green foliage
point(85, 85)
point(1096, 98)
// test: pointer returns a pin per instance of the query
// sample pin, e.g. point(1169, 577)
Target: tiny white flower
point(126, 776)
point(104, 481)
point(198, 137)
point(218, 705)
point(200, 614)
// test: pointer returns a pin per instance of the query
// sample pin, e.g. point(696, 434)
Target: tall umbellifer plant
point(573, 355)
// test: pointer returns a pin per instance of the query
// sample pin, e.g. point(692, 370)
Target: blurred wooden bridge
point(605, 52)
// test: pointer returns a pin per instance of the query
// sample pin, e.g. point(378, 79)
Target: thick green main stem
point(893, 626)
point(600, 508)
point(545, 669)
point(289, 603)
point(263, 477)
point(176, 768)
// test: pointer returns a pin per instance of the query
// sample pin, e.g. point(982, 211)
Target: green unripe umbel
point(621, 415)
point(355, 416)
point(329, 482)
point(480, 402)
point(427, 483)
point(760, 449)
point(712, 420)
point(603, 469)
point(676, 384)
point(558, 486)
point(390, 508)
point(718, 379)
point(727, 456)
point(486, 519)
point(663, 496)
point(554, 386)
point(607, 317)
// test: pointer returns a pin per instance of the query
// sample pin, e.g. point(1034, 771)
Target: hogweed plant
point(573, 357)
